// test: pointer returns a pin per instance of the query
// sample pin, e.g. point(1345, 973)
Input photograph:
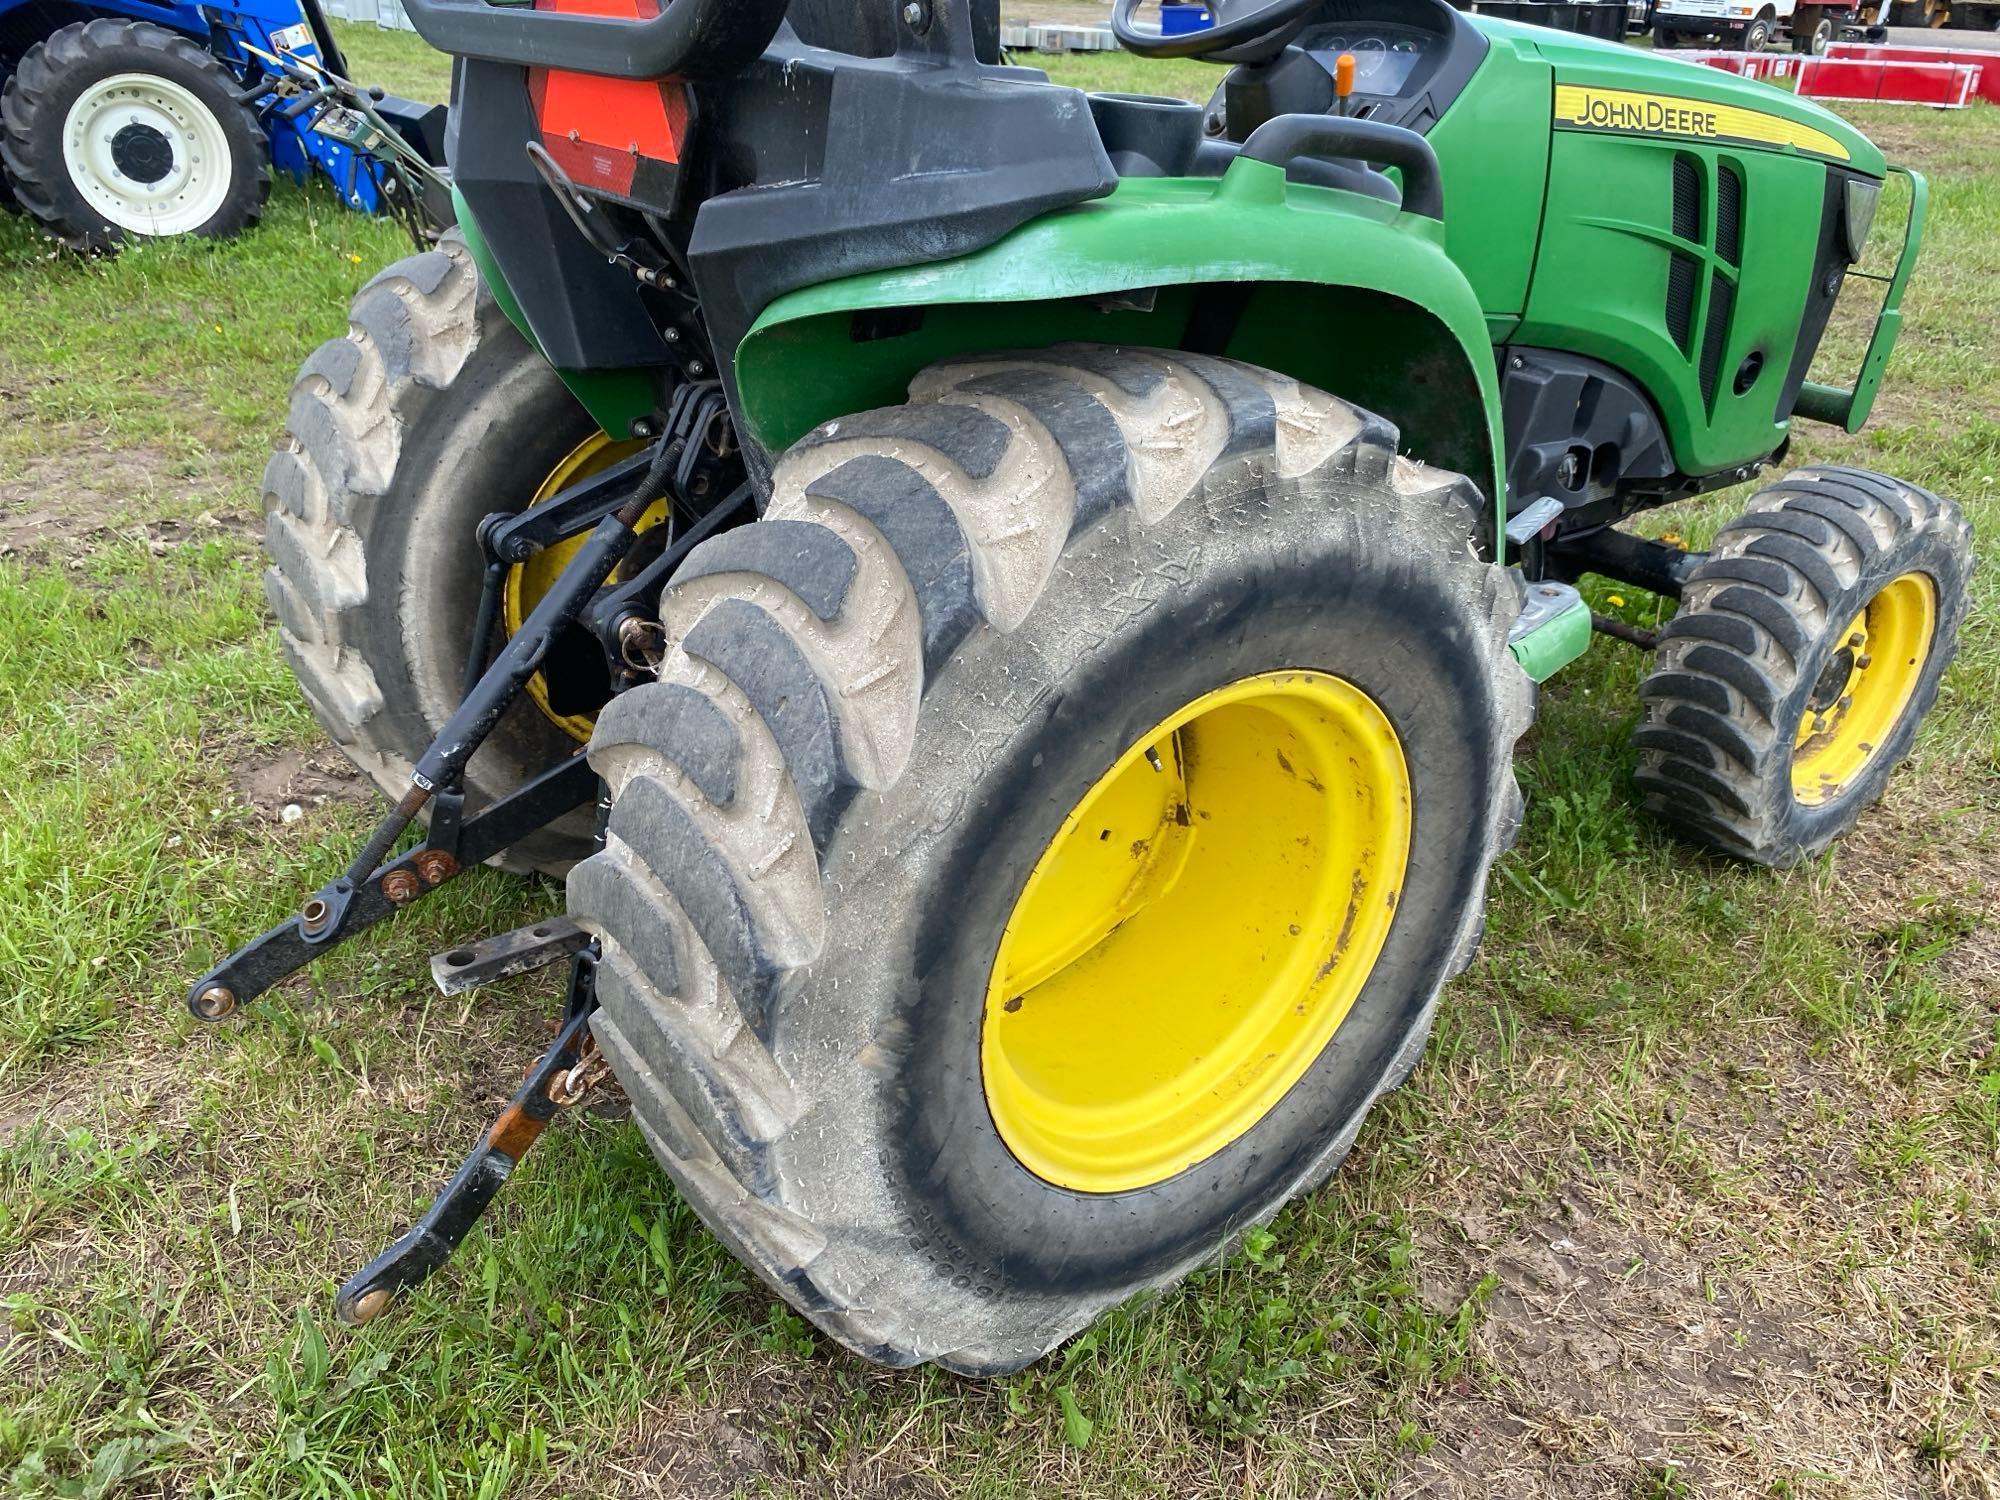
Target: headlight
point(1858, 214)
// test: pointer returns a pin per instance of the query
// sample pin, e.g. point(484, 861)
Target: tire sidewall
point(920, 891)
point(157, 54)
point(480, 445)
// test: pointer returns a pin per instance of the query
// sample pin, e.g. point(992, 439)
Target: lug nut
point(215, 1002)
point(400, 886)
point(1863, 661)
point(435, 866)
point(1856, 639)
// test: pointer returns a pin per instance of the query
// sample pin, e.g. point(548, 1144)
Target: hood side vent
point(1681, 276)
point(1721, 297)
point(1728, 215)
point(1687, 200)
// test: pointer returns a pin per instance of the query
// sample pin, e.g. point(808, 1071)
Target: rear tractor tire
point(432, 413)
point(112, 129)
point(1047, 837)
point(1808, 648)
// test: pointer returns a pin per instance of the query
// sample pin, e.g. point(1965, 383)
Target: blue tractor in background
point(123, 118)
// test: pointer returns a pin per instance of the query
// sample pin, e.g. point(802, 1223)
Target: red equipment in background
point(1941, 77)
point(1985, 65)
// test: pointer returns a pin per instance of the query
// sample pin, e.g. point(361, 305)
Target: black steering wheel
point(1237, 23)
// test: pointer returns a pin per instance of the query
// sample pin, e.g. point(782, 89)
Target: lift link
point(685, 459)
point(324, 915)
point(374, 886)
point(286, 948)
point(565, 1074)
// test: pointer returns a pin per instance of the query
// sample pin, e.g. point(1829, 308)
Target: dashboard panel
point(1385, 57)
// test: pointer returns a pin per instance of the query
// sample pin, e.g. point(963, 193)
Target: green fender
point(616, 398)
point(1335, 289)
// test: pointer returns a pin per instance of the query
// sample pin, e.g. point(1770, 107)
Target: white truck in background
point(1753, 25)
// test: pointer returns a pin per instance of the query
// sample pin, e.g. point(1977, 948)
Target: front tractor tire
point(1047, 837)
point(1808, 647)
point(112, 129)
point(432, 413)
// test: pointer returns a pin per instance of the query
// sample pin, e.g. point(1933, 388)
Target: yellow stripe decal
point(1581, 108)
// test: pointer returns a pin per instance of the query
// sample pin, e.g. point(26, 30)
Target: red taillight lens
point(598, 129)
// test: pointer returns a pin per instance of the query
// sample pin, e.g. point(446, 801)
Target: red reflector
point(596, 129)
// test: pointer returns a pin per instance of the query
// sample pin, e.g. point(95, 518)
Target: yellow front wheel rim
point(526, 582)
point(1196, 932)
point(1864, 688)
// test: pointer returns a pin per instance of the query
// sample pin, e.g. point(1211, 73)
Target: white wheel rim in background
point(195, 184)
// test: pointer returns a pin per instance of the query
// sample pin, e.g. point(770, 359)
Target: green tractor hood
point(1603, 86)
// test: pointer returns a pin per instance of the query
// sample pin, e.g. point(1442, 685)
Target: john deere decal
point(1580, 108)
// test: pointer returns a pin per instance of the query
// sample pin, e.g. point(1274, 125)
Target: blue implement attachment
point(169, 153)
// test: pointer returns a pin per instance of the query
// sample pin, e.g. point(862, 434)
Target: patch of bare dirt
point(1743, 1291)
point(692, 1454)
point(768, 1435)
point(1923, 868)
point(302, 779)
point(1618, 1359)
point(74, 490)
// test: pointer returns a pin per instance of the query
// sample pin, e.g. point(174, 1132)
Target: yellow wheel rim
point(527, 582)
point(1864, 688)
point(1196, 932)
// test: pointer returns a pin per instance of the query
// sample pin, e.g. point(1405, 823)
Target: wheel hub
point(574, 682)
point(1833, 680)
point(142, 153)
point(1196, 932)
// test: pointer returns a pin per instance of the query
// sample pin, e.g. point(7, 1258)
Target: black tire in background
point(35, 119)
point(1757, 35)
point(882, 701)
point(1761, 620)
point(432, 413)
point(1813, 31)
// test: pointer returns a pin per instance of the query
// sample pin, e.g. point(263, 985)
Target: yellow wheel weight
point(1866, 685)
point(526, 582)
point(1196, 932)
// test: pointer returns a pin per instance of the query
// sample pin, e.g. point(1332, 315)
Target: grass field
point(1696, 1193)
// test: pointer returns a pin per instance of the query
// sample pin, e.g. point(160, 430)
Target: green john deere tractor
point(1013, 608)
